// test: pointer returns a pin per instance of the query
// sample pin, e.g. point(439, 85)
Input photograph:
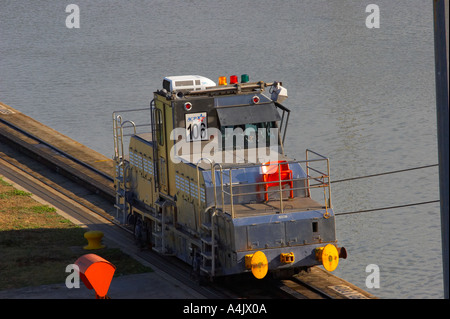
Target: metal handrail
point(121, 134)
point(119, 125)
point(221, 183)
point(323, 181)
point(122, 165)
point(321, 184)
point(198, 183)
point(328, 171)
point(274, 191)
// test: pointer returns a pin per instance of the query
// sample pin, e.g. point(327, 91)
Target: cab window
point(246, 136)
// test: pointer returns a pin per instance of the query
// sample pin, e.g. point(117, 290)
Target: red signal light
point(255, 99)
point(233, 79)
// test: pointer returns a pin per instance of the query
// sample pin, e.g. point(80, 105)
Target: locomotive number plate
point(197, 127)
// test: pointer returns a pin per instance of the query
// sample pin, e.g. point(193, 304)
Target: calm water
point(364, 97)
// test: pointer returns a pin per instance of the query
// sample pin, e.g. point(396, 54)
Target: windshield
point(249, 135)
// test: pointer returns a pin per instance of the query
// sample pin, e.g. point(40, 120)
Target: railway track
point(85, 193)
point(299, 288)
point(97, 179)
point(57, 150)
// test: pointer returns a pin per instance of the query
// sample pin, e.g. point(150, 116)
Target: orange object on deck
point(96, 273)
point(273, 172)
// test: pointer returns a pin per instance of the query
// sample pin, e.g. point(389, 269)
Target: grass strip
point(36, 244)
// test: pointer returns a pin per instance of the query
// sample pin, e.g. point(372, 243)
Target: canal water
point(363, 96)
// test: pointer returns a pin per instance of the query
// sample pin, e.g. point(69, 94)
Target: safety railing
point(120, 156)
point(322, 174)
point(319, 180)
point(119, 125)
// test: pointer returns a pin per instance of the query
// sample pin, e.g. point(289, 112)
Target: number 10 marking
point(196, 127)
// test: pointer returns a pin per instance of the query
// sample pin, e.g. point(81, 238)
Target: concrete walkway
point(141, 286)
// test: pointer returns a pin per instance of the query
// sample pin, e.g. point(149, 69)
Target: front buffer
point(283, 244)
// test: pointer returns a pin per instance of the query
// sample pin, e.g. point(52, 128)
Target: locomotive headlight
point(279, 93)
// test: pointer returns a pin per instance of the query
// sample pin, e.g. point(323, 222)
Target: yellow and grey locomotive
point(205, 178)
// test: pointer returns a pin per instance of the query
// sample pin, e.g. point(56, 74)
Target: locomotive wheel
point(142, 235)
point(138, 231)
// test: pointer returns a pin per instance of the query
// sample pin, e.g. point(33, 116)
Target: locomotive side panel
point(142, 171)
point(187, 196)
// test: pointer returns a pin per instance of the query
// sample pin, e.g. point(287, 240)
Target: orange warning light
point(223, 80)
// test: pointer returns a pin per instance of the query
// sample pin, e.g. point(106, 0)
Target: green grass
point(36, 244)
point(43, 209)
point(4, 183)
point(12, 193)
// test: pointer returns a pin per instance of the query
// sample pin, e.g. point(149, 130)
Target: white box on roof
point(187, 82)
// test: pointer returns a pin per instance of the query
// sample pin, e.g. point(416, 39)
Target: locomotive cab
point(208, 181)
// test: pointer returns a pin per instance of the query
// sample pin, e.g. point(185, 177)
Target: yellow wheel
point(330, 257)
point(259, 265)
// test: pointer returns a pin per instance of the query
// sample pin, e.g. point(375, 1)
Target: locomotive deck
point(273, 207)
point(252, 208)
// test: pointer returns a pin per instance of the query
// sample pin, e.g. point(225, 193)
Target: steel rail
point(311, 287)
point(71, 157)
